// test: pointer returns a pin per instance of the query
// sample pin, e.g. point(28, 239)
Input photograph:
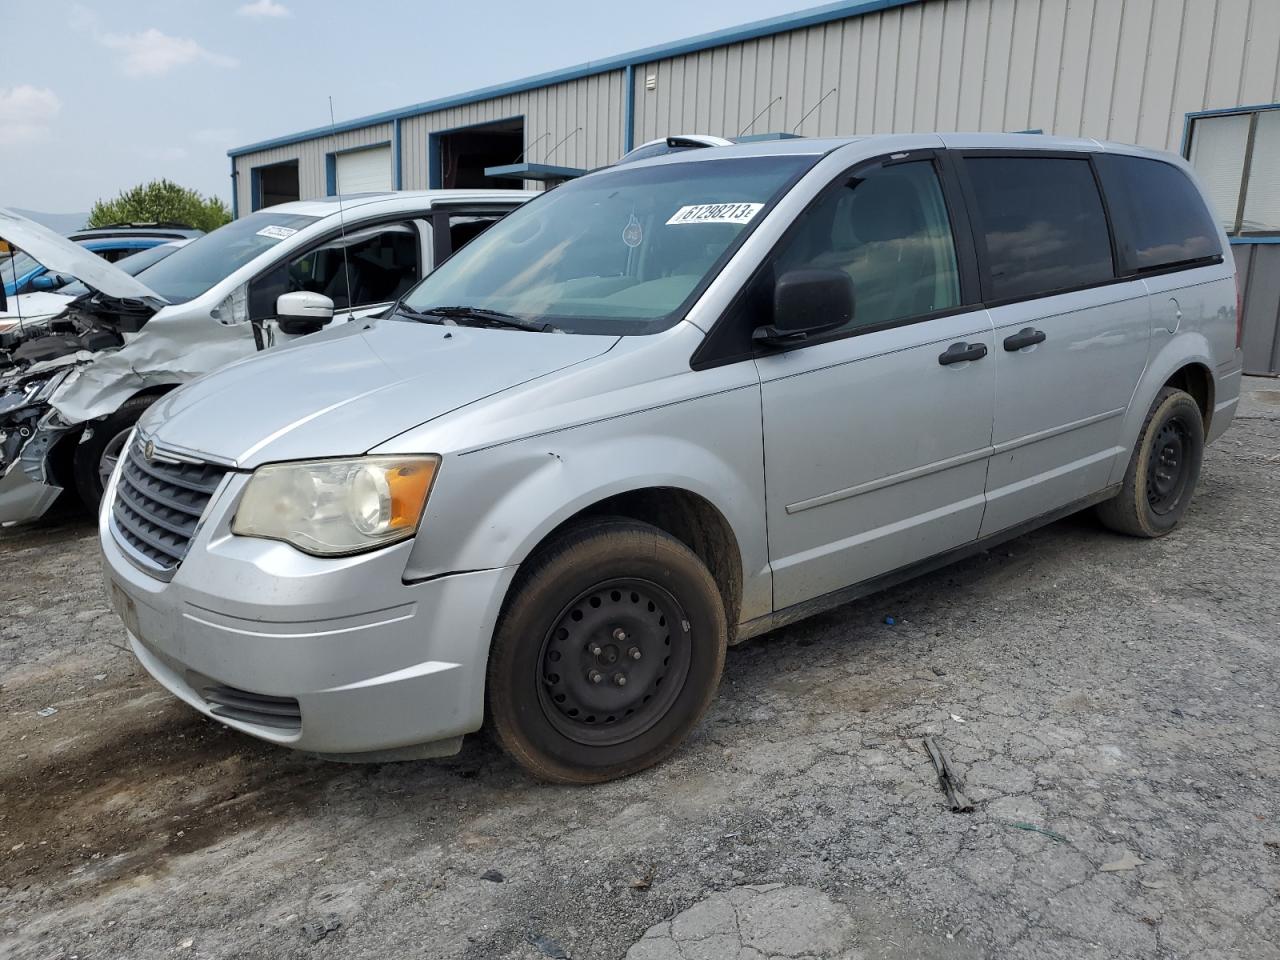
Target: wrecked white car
point(73, 384)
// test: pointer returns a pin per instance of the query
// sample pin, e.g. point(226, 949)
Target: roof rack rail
point(167, 224)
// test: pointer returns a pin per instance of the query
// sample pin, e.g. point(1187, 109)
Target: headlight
point(335, 507)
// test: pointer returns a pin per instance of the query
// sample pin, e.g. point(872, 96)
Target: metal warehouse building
point(1197, 76)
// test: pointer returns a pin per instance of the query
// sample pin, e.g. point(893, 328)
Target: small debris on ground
point(99, 676)
point(890, 621)
point(1127, 861)
point(493, 876)
point(548, 947)
point(957, 718)
point(1032, 828)
point(317, 928)
point(948, 779)
point(645, 880)
point(47, 711)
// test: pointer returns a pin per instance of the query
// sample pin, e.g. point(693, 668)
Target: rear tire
point(1163, 470)
point(608, 653)
point(96, 457)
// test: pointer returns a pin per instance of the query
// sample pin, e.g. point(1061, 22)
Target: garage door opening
point(367, 170)
point(460, 157)
point(277, 183)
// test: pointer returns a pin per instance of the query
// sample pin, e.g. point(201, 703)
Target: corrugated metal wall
point(310, 155)
point(1113, 69)
point(1258, 271)
point(1127, 70)
point(593, 103)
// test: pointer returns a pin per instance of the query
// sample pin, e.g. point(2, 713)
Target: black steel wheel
point(1163, 470)
point(1167, 465)
point(610, 670)
point(608, 653)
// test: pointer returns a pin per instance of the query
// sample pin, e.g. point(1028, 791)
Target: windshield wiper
point(495, 318)
point(420, 316)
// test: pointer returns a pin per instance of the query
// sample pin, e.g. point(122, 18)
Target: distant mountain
point(61, 222)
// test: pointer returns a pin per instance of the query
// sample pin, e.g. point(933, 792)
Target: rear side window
point(1043, 224)
point(1160, 219)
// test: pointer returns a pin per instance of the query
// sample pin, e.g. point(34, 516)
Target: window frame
point(1236, 233)
point(1130, 271)
point(989, 299)
point(411, 217)
point(442, 240)
point(729, 339)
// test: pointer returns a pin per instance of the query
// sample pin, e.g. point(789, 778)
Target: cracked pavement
point(1105, 700)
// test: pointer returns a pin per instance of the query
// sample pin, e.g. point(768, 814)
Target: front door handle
point(1026, 337)
point(960, 352)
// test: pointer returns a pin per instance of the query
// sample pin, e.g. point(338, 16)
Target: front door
point(1071, 341)
point(876, 437)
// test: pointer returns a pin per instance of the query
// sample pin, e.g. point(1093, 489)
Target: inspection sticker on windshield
point(277, 233)
point(716, 213)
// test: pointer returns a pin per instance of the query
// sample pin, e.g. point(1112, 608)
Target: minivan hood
point(346, 390)
point(60, 255)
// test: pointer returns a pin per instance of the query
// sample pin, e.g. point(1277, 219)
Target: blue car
point(23, 274)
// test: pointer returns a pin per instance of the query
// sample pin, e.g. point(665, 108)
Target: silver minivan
point(660, 409)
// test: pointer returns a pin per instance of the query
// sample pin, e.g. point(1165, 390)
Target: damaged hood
point(60, 255)
point(342, 392)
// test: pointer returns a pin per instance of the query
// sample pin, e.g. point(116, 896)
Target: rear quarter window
point(1160, 219)
point(1043, 225)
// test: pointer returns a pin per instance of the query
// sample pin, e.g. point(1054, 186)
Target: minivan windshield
point(617, 252)
point(189, 272)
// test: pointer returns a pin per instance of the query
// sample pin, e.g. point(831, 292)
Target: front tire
point(1163, 470)
point(607, 655)
point(96, 457)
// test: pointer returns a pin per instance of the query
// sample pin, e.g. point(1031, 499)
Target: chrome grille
point(281, 713)
point(158, 504)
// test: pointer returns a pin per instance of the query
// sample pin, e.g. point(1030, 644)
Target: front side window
point(619, 252)
point(1236, 158)
point(203, 262)
point(1043, 224)
point(382, 263)
point(888, 229)
point(1159, 217)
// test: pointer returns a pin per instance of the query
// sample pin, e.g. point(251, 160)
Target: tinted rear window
point(1043, 223)
point(1159, 216)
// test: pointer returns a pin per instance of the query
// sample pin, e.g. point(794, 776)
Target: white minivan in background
point(72, 386)
point(664, 407)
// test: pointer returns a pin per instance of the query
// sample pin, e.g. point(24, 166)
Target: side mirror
point(46, 281)
point(807, 303)
point(303, 312)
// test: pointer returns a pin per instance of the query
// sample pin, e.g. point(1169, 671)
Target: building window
point(1237, 155)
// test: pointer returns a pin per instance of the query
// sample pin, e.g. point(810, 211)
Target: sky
point(98, 97)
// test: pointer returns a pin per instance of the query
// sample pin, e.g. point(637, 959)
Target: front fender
point(493, 507)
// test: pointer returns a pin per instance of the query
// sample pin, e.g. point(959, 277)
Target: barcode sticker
point(277, 233)
point(716, 213)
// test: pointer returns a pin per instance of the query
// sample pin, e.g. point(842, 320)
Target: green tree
point(161, 201)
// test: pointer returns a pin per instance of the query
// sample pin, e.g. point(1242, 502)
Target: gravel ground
point(1111, 705)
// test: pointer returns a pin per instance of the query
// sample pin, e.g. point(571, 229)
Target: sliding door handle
point(960, 352)
point(1026, 337)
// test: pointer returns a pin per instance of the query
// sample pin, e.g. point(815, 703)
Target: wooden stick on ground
point(948, 779)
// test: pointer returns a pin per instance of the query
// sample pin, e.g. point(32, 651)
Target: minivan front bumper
point(332, 656)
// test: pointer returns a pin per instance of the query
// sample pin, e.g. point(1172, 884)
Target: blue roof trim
point(534, 171)
point(841, 10)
